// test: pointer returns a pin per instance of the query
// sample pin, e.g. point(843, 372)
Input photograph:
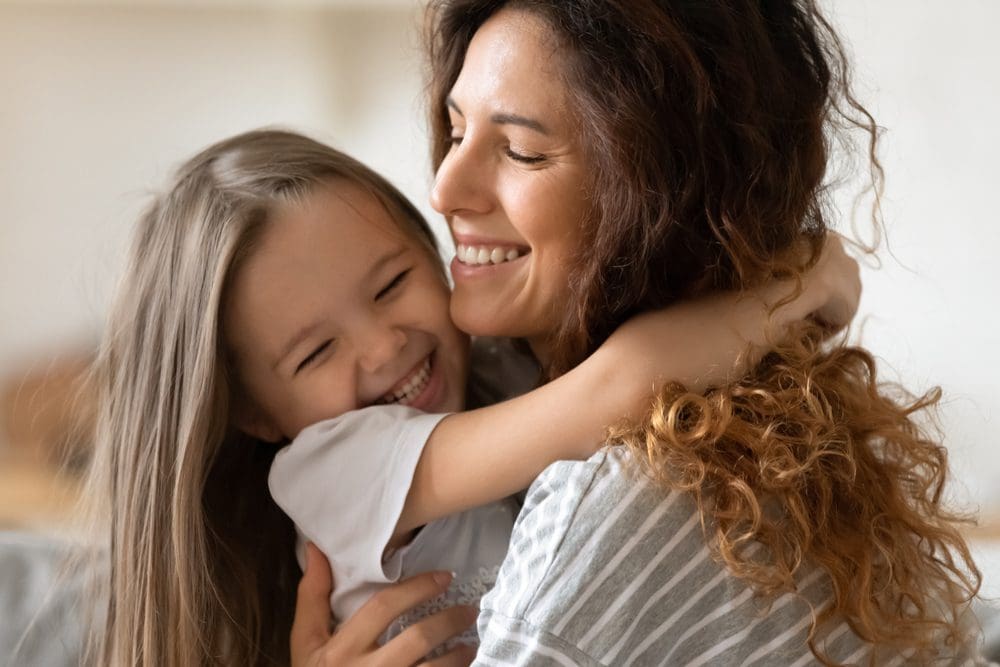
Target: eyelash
point(517, 157)
point(393, 284)
point(524, 159)
point(314, 355)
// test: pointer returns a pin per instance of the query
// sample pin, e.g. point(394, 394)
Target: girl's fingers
point(421, 638)
point(460, 656)
point(843, 275)
point(368, 624)
point(311, 625)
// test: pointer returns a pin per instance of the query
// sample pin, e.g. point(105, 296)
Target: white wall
point(98, 101)
point(930, 73)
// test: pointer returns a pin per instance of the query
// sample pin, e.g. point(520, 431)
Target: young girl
point(277, 285)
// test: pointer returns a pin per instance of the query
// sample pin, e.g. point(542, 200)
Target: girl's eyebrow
point(305, 332)
point(501, 118)
point(387, 258)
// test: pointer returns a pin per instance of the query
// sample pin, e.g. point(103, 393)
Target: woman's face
point(512, 184)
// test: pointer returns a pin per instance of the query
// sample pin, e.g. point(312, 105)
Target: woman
point(640, 152)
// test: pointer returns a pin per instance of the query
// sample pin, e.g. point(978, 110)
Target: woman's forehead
point(513, 61)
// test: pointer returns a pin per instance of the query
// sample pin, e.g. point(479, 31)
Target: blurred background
point(99, 100)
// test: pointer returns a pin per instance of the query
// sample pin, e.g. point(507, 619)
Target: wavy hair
point(708, 129)
point(202, 566)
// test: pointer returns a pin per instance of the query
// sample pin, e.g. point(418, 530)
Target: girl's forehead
point(354, 204)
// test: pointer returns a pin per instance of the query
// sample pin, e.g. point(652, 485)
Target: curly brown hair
point(708, 132)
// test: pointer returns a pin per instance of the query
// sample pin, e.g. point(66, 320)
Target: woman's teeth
point(413, 387)
point(474, 254)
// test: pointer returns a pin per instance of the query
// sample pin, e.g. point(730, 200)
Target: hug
point(619, 428)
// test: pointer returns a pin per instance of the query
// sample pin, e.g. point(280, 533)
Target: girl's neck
point(541, 348)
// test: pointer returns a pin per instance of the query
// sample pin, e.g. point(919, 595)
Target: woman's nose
point(461, 183)
point(379, 344)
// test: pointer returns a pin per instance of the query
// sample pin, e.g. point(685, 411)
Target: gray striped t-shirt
point(605, 568)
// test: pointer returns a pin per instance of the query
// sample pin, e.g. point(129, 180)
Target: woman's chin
point(477, 322)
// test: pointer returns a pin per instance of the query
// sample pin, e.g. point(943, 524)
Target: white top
point(343, 482)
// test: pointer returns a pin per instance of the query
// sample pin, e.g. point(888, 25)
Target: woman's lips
point(461, 271)
point(483, 257)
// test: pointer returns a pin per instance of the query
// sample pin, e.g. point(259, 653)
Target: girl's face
point(512, 185)
point(336, 309)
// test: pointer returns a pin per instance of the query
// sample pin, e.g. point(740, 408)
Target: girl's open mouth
point(420, 389)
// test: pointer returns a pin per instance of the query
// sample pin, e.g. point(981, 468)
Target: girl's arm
point(480, 456)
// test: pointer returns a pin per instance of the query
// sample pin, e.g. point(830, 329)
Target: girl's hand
point(834, 284)
point(355, 642)
point(716, 339)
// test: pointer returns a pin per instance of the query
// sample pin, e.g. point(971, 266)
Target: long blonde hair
point(202, 567)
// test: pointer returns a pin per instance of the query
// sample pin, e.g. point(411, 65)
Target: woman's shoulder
point(581, 519)
point(607, 567)
point(567, 491)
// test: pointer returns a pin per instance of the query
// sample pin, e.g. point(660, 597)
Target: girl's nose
point(461, 183)
point(379, 345)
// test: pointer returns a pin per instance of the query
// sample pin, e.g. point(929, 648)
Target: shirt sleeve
point(344, 481)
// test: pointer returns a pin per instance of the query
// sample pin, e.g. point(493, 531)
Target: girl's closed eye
point(392, 285)
point(314, 355)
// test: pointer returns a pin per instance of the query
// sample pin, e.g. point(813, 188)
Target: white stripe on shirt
point(616, 560)
point(585, 553)
point(699, 558)
point(616, 606)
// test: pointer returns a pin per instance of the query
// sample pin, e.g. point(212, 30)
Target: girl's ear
point(253, 422)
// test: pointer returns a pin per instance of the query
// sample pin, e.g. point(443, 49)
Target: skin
point(514, 177)
point(334, 308)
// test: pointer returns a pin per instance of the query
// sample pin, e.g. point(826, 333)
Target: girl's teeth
point(413, 387)
point(481, 255)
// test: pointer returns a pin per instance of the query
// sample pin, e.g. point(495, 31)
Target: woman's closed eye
point(392, 285)
point(518, 156)
point(524, 158)
point(314, 355)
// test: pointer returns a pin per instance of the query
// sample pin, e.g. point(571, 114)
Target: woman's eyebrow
point(501, 118)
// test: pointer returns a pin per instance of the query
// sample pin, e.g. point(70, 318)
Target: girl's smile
point(422, 387)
